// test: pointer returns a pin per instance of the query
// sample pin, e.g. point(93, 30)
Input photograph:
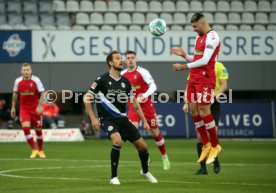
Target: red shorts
point(150, 114)
point(31, 116)
point(200, 93)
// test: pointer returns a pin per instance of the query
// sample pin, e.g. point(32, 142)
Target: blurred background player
point(143, 86)
point(5, 114)
point(112, 115)
point(221, 86)
point(202, 84)
point(51, 117)
point(28, 88)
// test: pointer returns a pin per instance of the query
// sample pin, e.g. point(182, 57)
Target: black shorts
point(122, 125)
point(215, 110)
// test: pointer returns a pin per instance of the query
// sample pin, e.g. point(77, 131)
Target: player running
point(202, 84)
point(143, 86)
point(28, 87)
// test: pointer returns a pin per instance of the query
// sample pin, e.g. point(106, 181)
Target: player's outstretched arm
point(88, 100)
point(14, 100)
point(180, 52)
point(140, 113)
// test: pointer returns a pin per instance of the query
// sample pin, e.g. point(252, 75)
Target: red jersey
point(28, 91)
point(205, 73)
point(139, 80)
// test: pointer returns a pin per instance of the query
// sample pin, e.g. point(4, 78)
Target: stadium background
point(248, 165)
point(248, 29)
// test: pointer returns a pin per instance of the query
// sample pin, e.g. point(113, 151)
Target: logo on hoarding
point(14, 45)
point(48, 43)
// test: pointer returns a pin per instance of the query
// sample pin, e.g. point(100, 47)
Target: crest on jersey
point(224, 71)
point(110, 83)
point(123, 84)
point(94, 85)
point(110, 128)
point(31, 84)
point(135, 77)
point(202, 41)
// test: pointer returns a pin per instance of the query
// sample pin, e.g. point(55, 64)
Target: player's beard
point(200, 32)
point(118, 68)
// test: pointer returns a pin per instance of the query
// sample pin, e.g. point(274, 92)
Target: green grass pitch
point(83, 167)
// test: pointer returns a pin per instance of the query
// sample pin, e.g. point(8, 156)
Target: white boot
point(115, 181)
point(149, 177)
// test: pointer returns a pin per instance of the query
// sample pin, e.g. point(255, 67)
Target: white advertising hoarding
point(93, 46)
point(8, 135)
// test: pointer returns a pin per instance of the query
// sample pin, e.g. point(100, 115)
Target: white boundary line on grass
point(4, 173)
point(124, 161)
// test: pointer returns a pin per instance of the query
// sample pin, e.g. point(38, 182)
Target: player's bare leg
point(117, 142)
point(136, 124)
point(142, 148)
point(160, 143)
point(27, 132)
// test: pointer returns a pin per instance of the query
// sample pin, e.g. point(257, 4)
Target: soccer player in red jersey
point(143, 86)
point(202, 83)
point(28, 88)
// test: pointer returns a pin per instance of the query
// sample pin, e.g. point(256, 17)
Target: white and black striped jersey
point(112, 95)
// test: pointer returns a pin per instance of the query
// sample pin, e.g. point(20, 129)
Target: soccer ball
point(158, 27)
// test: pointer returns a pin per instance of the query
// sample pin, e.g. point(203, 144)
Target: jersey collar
point(114, 78)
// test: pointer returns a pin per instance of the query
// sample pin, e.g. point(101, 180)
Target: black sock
point(144, 156)
point(114, 157)
point(199, 150)
point(216, 162)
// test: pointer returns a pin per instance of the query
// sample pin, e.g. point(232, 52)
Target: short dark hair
point(25, 64)
point(196, 17)
point(130, 52)
point(109, 56)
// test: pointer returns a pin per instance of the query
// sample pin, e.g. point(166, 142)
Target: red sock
point(29, 137)
point(200, 127)
point(39, 139)
point(211, 128)
point(160, 143)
